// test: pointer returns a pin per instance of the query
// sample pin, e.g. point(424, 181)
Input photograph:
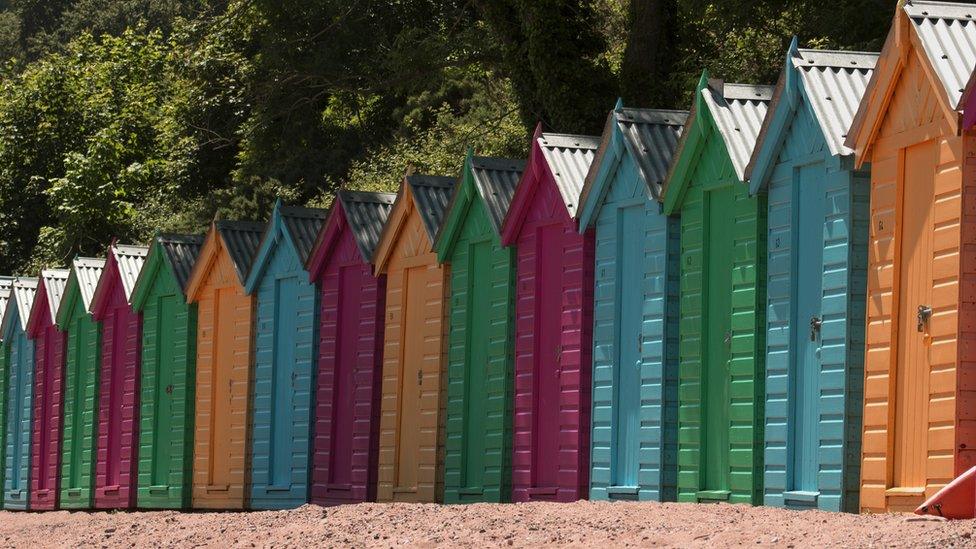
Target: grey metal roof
point(948, 36)
point(87, 272)
point(651, 136)
point(6, 286)
point(569, 158)
point(366, 214)
point(24, 290)
point(432, 193)
point(835, 82)
point(55, 281)
point(303, 224)
point(496, 180)
point(181, 251)
point(241, 239)
point(738, 111)
point(130, 260)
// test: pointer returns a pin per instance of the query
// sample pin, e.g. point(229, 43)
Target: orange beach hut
point(919, 423)
point(224, 310)
point(412, 408)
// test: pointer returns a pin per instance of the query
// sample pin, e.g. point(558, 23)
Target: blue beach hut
point(18, 351)
point(816, 279)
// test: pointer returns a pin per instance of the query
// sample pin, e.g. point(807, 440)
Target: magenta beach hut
point(554, 321)
point(118, 394)
point(49, 343)
point(352, 305)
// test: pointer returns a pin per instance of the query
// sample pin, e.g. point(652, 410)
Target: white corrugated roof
point(948, 36)
point(569, 158)
point(738, 111)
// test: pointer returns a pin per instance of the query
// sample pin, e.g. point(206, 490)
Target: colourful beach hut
point(411, 443)
point(82, 352)
point(722, 343)
point(634, 437)
point(216, 286)
point(480, 348)
point(167, 373)
point(18, 351)
point(285, 340)
point(116, 448)
point(350, 350)
point(6, 284)
point(919, 428)
point(815, 279)
point(49, 343)
point(554, 312)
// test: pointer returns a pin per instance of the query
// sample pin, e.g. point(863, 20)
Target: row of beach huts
point(770, 299)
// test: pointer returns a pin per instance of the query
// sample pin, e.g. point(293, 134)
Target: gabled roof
point(362, 213)
point(649, 136)
point(180, 252)
point(432, 193)
point(52, 282)
point(21, 301)
point(569, 158)
point(948, 35)
point(240, 240)
point(84, 274)
point(129, 260)
point(6, 286)
point(831, 83)
point(297, 225)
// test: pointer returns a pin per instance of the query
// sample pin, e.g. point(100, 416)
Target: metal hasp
point(167, 374)
point(223, 364)
point(49, 343)
point(82, 354)
point(634, 436)
point(816, 274)
point(554, 308)
point(481, 324)
point(922, 317)
point(918, 429)
point(722, 344)
point(350, 349)
point(412, 410)
point(286, 340)
point(18, 356)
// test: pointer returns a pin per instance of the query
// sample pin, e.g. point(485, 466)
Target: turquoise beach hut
point(635, 317)
point(816, 278)
point(285, 333)
point(18, 354)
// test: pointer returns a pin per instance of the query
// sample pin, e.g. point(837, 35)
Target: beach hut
point(411, 440)
point(285, 339)
point(634, 437)
point(815, 279)
point(721, 330)
point(350, 352)
point(6, 283)
point(216, 286)
point(167, 373)
point(919, 428)
point(554, 321)
point(480, 348)
point(81, 360)
point(18, 353)
point(48, 389)
point(116, 448)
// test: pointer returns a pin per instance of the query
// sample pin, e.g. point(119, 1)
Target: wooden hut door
point(807, 318)
point(625, 436)
point(17, 408)
point(411, 370)
point(476, 365)
point(222, 413)
point(548, 351)
point(343, 391)
point(719, 259)
point(911, 398)
point(168, 309)
point(116, 366)
point(283, 383)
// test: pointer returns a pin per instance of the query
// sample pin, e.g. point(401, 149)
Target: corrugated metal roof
point(569, 158)
point(241, 239)
point(130, 260)
point(6, 286)
point(55, 281)
point(24, 290)
point(87, 271)
point(366, 214)
point(181, 251)
point(835, 82)
point(948, 35)
point(432, 193)
point(496, 180)
point(651, 137)
point(303, 224)
point(738, 111)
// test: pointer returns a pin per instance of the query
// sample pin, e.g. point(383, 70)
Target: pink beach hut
point(554, 321)
point(116, 457)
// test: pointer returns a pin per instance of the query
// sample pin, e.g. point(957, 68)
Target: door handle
point(640, 343)
point(728, 337)
point(815, 324)
point(420, 377)
point(923, 316)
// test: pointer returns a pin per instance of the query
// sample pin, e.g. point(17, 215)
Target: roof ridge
point(426, 180)
point(509, 164)
point(368, 196)
point(592, 141)
point(304, 211)
point(951, 10)
point(179, 237)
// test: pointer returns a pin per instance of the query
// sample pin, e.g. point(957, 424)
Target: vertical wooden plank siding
point(48, 400)
point(220, 453)
point(411, 443)
point(20, 359)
